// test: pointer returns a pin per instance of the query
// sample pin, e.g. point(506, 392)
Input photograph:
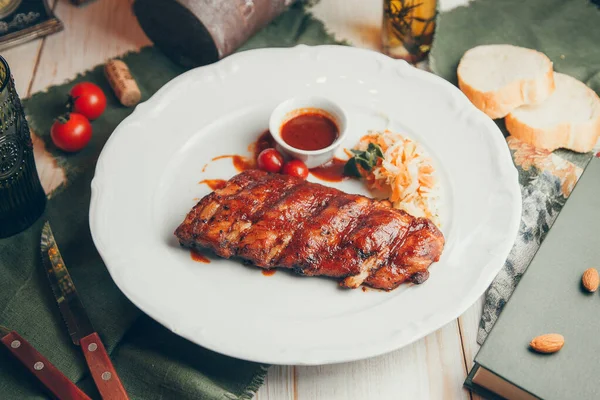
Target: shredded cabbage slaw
point(405, 175)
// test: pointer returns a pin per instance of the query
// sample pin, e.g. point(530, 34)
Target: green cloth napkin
point(152, 362)
point(568, 32)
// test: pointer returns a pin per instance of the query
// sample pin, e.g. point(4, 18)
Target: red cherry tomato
point(87, 99)
point(71, 133)
point(295, 168)
point(270, 160)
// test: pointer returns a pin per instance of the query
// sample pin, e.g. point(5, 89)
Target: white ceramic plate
point(147, 180)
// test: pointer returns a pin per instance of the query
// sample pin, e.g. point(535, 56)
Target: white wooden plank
point(92, 34)
point(279, 384)
point(51, 175)
point(469, 325)
point(432, 368)
point(358, 21)
point(22, 60)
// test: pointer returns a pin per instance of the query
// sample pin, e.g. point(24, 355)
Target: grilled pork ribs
point(275, 220)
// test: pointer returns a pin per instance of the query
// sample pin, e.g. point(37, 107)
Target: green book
point(550, 299)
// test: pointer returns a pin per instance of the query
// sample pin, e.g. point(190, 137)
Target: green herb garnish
point(367, 160)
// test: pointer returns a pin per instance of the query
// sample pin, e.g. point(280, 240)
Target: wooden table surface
point(431, 368)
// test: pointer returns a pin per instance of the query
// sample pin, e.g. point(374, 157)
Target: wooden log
point(199, 32)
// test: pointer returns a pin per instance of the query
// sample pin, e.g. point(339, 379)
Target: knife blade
point(71, 309)
point(78, 323)
point(39, 366)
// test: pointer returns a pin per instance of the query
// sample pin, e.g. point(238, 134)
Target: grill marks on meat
point(237, 213)
point(201, 216)
point(412, 259)
point(372, 242)
point(278, 220)
point(271, 235)
point(310, 251)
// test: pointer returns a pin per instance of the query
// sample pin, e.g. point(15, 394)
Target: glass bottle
point(22, 199)
point(407, 30)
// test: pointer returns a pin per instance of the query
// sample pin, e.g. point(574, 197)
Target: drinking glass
point(22, 199)
point(408, 27)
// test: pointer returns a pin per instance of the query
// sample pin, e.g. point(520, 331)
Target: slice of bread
point(569, 119)
point(498, 78)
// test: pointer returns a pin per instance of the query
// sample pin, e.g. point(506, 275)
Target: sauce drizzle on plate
point(214, 184)
point(264, 141)
point(268, 272)
point(199, 257)
point(333, 171)
point(241, 163)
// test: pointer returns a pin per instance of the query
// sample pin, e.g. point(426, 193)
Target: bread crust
point(497, 104)
point(580, 138)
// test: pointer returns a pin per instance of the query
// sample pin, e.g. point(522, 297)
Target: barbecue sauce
point(199, 257)
point(241, 163)
point(333, 171)
point(214, 184)
point(268, 272)
point(309, 131)
point(264, 141)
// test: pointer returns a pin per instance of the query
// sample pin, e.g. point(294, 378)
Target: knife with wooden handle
point(78, 324)
point(59, 385)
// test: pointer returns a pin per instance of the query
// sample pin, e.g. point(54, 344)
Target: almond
point(549, 343)
point(590, 279)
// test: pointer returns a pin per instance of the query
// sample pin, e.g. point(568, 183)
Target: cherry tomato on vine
point(270, 160)
point(71, 132)
point(87, 99)
point(295, 168)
